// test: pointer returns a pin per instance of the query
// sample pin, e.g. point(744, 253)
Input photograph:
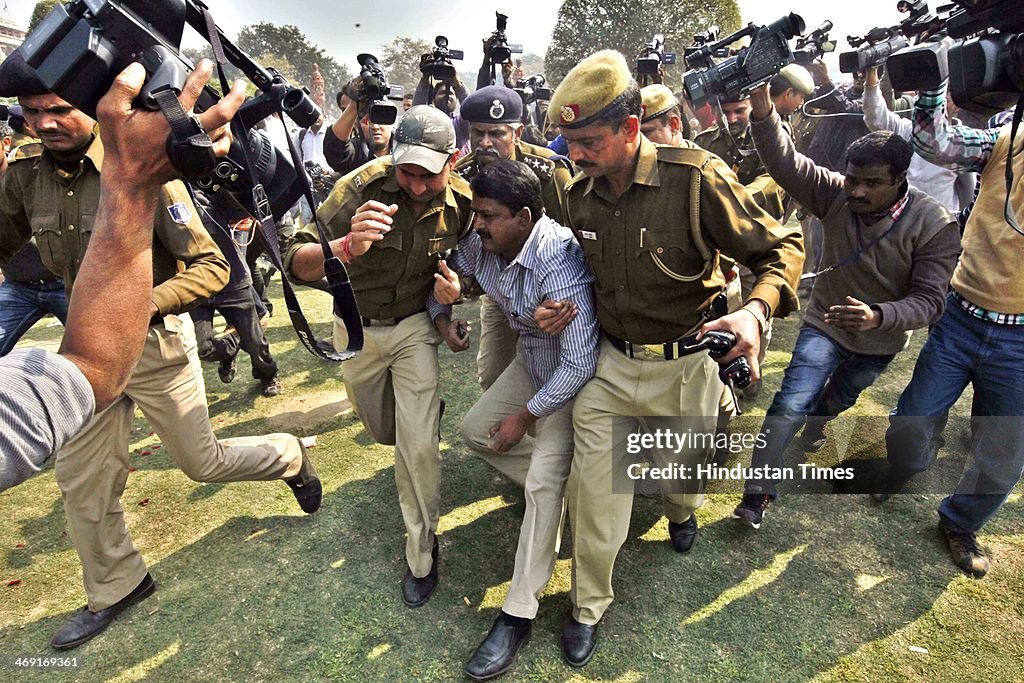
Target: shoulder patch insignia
point(180, 213)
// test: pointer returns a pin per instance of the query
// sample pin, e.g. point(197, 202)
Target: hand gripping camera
point(79, 48)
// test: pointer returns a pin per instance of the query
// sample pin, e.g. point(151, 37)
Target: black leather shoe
point(578, 642)
point(683, 535)
point(85, 624)
point(416, 592)
point(306, 485)
point(496, 654)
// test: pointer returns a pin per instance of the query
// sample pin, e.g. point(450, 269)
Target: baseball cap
point(425, 137)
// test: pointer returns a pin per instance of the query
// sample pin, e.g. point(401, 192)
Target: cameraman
point(346, 153)
point(447, 95)
point(979, 340)
point(55, 197)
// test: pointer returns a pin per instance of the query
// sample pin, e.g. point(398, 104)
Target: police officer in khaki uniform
point(392, 220)
point(54, 197)
point(495, 115)
point(735, 147)
point(636, 209)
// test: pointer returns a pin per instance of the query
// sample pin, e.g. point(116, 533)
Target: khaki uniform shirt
point(742, 158)
point(393, 278)
point(553, 171)
point(38, 199)
point(621, 236)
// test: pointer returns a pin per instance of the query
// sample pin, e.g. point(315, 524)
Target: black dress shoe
point(85, 624)
point(578, 642)
point(683, 535)
point(416, 592)
point(306, 485)
point(495, 655)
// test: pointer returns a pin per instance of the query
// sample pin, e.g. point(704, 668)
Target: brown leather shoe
point(963, 547)
point(85, 624)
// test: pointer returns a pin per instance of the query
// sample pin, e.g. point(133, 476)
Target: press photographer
point(367, 105)
point(441, 87)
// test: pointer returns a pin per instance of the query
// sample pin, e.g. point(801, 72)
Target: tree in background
point(42, 8)
point(401, 60)
point(586, 26)
point(286, 47)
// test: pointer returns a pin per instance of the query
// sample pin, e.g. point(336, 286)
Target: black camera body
point(876, 46)
point(814, 45)
point(439, 66)
point(376, 91)
point(752, 66)
point(653, 56)
point(79, 48)
point(986, 72)
point(497, 47)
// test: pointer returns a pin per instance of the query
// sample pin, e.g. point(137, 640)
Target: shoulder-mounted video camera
point(376, 91)
point(497, 47)
point(985, 66)
point(439, 64)
point(79, 48)
point(699, 55)
point(876, 46)
point(653, 56)
point(533, 89)
point(814, 45)
point(752, 66)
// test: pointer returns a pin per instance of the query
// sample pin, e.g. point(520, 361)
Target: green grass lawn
point(832, 588)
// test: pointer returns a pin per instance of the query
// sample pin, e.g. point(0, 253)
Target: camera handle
point(345, 306)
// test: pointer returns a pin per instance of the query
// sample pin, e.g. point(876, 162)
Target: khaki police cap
point(658, 99)
point(799, 78)
point(589, 89)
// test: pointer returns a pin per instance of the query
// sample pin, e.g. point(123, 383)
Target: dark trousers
point(239, 308)
point(23, 305)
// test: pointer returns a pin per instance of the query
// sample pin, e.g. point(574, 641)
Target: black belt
point(389, 322)
point(37, 283)
point(668, 351)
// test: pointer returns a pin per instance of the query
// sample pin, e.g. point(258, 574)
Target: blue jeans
point(23, 305)
point(963, 349)
point(823, 379)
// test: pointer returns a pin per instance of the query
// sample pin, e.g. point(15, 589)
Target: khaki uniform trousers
point(394, 381)
point(611, 405)
point(497, 342)
point(540, 464)
point(92, 469)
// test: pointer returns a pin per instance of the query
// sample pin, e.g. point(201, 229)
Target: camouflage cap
point(589, 89)
point(493, 104)
point(658, 99)
point(17, 78)
point(425, 137)
point(799, 78)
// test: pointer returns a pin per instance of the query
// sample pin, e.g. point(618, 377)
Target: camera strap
point(345, 306)
point(1008, 211)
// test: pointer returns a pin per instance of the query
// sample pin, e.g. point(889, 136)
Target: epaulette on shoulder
point(367, 173)
point(542, 166)
point(466, 167)
point(29, 150)
point(460, 185)
point(686, 156)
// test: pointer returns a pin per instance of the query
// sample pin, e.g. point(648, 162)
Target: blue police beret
point(18, 78)
point(493, 104)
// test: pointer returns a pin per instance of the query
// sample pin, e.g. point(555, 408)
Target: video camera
point(876, 46)
point(79, 48)
point(697, 57)
point(752, 66)
point(496, 47)
point(533, 89)
point(439, 64)
point(653, 56)
point(986, 72)
point(814, 45)
point(376, 91)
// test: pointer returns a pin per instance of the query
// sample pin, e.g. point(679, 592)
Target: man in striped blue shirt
point(521, 257)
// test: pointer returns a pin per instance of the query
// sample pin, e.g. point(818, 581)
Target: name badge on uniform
point(179, 213)
point(587, 235)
